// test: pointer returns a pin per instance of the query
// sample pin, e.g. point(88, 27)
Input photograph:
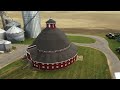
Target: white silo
point(15, 34)
point(5, 45)
point(2, 34)
point(32, 25)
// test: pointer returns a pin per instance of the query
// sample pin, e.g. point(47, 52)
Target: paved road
point(102, 45)
point(8, 58)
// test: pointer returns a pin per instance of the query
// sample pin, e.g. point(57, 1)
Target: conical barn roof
point(52, 47)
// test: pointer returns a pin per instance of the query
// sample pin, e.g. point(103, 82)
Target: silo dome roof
point(2, 31)
point(13, 23)
point(4, 42)
point(14, 29)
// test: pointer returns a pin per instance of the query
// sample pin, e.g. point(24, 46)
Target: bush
point(13, 47)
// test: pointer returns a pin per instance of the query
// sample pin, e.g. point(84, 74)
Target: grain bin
point(5, 45)
point(2, 34)
point(10, 24)
point(7, 20)
point(15, 34)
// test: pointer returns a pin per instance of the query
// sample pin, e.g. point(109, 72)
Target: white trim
point(31, 47)
point(37, 65)
point(65, 64)
point(71, 61)
point(49, 25)
point(43, 66)
point(47, 67)
point(55, 62)
point(57, 66)
point(30, 57)
point(34, 64)
point(52, 63)
point(52, 67)
point(61, 65)
point(55, 50)
point(43, 63)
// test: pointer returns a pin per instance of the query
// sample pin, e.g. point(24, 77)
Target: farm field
point(77, 19)
point(97, 23)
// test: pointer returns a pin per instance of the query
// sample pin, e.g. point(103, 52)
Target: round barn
point(51, 49)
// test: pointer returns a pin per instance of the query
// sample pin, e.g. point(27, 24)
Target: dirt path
point(102, 45)
point(8, 58)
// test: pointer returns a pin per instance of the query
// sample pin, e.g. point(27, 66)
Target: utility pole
point(2, 18)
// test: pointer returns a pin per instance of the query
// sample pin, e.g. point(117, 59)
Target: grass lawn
point(93, 66)
point(27, 41)
point(113, 44)
point(78, 39)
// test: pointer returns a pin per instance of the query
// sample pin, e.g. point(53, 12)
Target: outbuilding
point(5, 45)
point(2, 34)
point(15, 34)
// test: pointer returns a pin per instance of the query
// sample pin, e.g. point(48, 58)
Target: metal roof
point(50, 40)
point(53, 57)
point(50, 21)
point(14, 29)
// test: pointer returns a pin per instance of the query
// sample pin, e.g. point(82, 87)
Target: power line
point(30, 20)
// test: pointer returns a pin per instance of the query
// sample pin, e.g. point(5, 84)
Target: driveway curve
point(102, 45)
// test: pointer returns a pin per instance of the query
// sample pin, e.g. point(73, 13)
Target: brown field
point(86, 22)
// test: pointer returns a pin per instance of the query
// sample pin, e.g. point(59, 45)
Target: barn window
point(57, 66)
point(47, 67)
point(71, 60)
point(52, 67)
point(65, 64)
point(36, 65)
point(43, 66)
point(61, 65)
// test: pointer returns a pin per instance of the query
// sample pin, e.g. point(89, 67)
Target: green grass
point(113, 44)
point(27, 41)
point(80, 39)
point(93, 66)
